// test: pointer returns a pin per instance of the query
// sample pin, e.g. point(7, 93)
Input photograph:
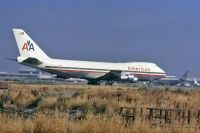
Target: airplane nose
point(163, 72)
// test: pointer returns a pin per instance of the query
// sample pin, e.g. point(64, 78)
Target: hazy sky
point(166, 32)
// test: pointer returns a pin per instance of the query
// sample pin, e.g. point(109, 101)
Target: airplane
point(31, 55)
point(170, 80)
point(196, 83)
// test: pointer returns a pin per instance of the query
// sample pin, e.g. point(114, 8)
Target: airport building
point(35, 76)
point(27, 75)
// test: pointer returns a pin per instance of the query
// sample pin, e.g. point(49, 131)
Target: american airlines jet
point(31, 55)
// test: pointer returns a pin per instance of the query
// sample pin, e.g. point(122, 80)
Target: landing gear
point(101, 82)
point(93, 83)
point(109, 83)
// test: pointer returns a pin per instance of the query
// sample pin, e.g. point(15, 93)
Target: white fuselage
point(94, 70)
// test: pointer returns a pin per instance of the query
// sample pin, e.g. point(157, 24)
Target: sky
point(165, 32)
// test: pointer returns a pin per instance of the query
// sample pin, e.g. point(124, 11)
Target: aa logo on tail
point(28, 46)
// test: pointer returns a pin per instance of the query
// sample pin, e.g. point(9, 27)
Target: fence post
point(141, 112)
point(166, 115)
point(189, 116)
point(183, 117)
point(151, 114)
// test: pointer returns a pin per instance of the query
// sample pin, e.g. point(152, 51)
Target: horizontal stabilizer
point(32, 61)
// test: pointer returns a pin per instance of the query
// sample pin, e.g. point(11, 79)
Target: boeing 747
point(31, 55)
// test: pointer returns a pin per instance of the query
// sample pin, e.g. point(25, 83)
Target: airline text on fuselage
point(141, 69)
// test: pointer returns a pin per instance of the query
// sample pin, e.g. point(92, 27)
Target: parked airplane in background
point(196, 83)
point(31, 55)
point(169, 80)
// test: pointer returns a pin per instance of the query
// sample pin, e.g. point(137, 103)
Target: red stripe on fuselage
point(96, 71)
point(148, 74)
point(88, 71)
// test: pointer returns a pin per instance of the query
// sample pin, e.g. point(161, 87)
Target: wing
point(112, 75)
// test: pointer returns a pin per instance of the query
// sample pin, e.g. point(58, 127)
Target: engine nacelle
point(129, 77)
point(126, 77)
point(135, 79)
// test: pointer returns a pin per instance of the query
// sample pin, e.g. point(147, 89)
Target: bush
point(1, 104)
point(34, 103)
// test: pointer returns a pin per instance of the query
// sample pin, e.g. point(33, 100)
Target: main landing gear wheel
point(93, 83)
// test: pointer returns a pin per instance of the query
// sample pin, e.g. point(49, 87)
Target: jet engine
point(128, 77)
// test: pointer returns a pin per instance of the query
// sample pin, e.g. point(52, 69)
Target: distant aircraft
point(31, 55)
point(172, 80)
point(196, 83)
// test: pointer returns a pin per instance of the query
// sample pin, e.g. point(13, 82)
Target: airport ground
point(87, 109)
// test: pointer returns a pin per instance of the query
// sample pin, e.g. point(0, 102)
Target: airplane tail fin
point(27, 47)
point(195, 81)
point(184, 76)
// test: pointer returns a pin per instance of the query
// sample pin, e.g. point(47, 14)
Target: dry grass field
point(89, 109)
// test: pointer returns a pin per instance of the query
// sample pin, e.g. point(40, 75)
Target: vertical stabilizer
point(184, 76)
point(27, 47)
point(196, 82)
